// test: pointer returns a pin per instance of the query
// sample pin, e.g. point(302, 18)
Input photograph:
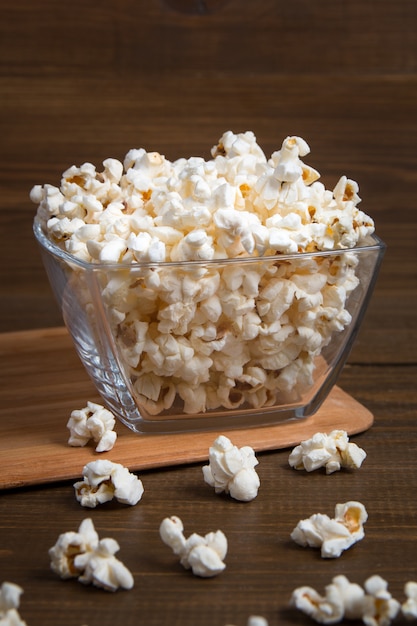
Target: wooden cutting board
point(42, 381)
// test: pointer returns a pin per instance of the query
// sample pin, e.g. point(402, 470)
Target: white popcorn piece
point(332, 451)
point(380, 608)
point(342, 599)
point(9, 597)
point(323, 609)
point(255, 620)
point(231, 470)
point(409, 607)
point(9, 603)
point(351, 596)
point(104, 480)
point(333, 536)
point(103, 569)
point(69, 545)
point(236, 205)
point(203, 555)
point(92, 422)
point(84, 556)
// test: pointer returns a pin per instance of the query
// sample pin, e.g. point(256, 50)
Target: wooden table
point(89, 80)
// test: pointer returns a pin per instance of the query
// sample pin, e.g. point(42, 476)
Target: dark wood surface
point(86, 80)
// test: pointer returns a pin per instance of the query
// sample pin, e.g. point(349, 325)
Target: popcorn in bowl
point(208, 289)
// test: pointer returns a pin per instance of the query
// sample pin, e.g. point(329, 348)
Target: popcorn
point(326, 609)
point(374, 605)
point(409, 607)
point(105, 480)
point(84, 556)
point(333, 536)
point(274, 316)
point(231, 470)
point(9, 603)
point(379, 606)
point(103, 569)
point(203, 555)
point(332, 451)
point(256, 620)
point(69, 545)
point(92, 422)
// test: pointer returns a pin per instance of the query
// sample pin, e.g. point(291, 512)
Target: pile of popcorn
point(196, 337)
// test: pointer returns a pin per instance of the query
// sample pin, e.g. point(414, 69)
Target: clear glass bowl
point(215, 344)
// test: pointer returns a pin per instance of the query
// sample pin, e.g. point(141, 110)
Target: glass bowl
point(216, 344)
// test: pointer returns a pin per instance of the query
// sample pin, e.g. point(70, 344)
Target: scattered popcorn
point(92, 422)
point(105, 480)
point(333, 536)
point(231, 469)
point(9, 603)
point(332, 451)
point(203, 555)
point(84, 556)
point(374, 605)
point(204, 337)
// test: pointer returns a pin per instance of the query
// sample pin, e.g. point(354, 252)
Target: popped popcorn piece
point(342, 599)
point(231, 469)
point(333, 536)
point(332, 451)
point(350, 594)
point(323, 609)
point(222, 323)
point(103, 569)
point(104, 480)
point(255, 620)
point(379, 606)
point(84, 556)
point(92, 422)
point(409, 607)
point(203, 555)
point(71, 544)
point(9, 603)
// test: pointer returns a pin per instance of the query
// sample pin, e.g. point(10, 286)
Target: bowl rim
point(372, 243)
